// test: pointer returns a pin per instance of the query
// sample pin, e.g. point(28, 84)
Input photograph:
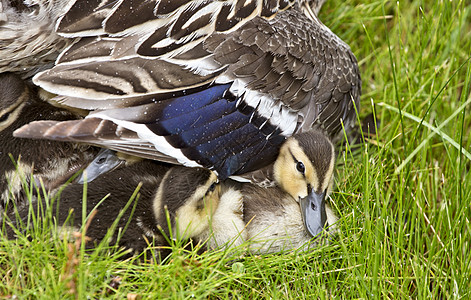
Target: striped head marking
point(191, 195)
point(12, 99)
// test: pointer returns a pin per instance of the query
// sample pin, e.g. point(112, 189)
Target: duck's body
point(216, 84)
point(51, 162)
point(28, 42)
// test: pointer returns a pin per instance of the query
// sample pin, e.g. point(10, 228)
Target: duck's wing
point(208, 128)
point(219, 84)
point(265, 48)
point(133, 48)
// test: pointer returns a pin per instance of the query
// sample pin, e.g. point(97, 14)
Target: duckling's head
point(52, 162)
point(15, 93)
point(14, 97)
point(20, 105)
point(190, 195)
point(304, 169)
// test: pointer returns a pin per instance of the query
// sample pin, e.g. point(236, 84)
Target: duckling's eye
point(4, 117)
point(211, 188)
point(300, 167)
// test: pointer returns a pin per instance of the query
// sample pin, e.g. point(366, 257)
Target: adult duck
point(217, 84)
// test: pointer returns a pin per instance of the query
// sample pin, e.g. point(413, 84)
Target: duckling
point(272, 221)
point(220, 214)
point(51, 162)
point(189, 195)
point(287, 215)
point(214, 84)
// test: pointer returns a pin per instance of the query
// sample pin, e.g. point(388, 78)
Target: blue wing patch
point(213, 128)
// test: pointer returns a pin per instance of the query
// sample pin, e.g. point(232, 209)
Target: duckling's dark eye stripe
point(4, 117)
point(211, 188)
point(12, 107)
point(298, 164)
point(5, 114)
point(292, 155)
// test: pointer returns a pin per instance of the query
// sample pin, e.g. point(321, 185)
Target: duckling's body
point(119, 186)
point(266, 219)
point(273, 221)
point(51, 162)
point(176, 190)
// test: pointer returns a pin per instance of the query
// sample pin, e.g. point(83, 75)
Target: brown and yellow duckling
point(272, 221)
point(51, 162)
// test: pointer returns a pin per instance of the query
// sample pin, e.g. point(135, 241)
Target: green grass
point(404, 198)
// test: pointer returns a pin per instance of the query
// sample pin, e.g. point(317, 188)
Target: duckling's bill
point(104, 162)
point(313, 212)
